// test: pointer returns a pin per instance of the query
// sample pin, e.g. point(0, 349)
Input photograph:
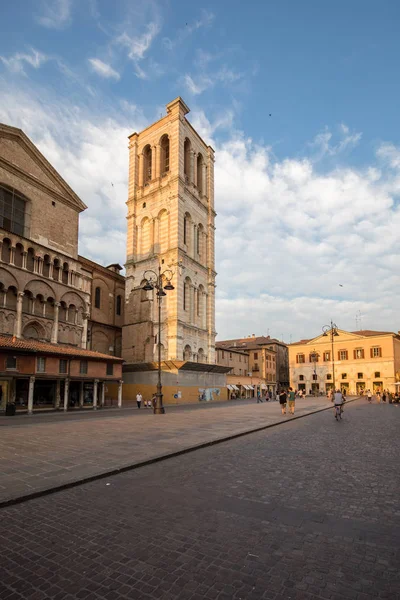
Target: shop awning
point(235, 387)
point(229, 387)
point(264, 386)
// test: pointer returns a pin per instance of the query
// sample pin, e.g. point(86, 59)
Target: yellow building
point(354, 361)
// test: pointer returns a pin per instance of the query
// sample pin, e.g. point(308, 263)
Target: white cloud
point(103, 69)
point(17, 61)
point(323, 146)
point(287, 232)
point(206, 19)
point(56, 14)
point(139, 45)
point(199, 83)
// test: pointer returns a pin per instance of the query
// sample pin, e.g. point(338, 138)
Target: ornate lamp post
point(332, 331)
point(160, 282)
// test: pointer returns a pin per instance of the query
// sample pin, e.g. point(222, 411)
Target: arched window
point(97, 297)
point(186, 292)
point(187, 353)
point(164, 158)
point(118, 305)
point(64, 276)
point(11, 298)
point(200, 173)
point(18, 257)
point(147, 164)
point(12, 210)
point(186, 152)
point(185, 226)
point(30, 260)
point(56, 270)
point(62, 311)
point(6, 251)
point(46, 265)
point(200, 355)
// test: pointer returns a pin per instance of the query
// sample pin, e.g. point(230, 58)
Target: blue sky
point(300, 101)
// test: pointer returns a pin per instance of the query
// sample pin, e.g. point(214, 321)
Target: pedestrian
point(292, 400)
point(384, 396)
point(259, 399)
point(139, 398)
point(270, 395)
point(369, 395)
point(378, 396)
point(154, 400)
point(282, 401)
point(390, 397)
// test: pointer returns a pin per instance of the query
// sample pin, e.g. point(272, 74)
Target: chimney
point(253, 335)
point(14, 339)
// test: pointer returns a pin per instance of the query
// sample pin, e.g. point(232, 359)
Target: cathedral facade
point(170, 225)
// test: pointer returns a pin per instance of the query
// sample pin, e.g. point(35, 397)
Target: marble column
point(58, 394)
point(24, 259)
point(30, 394)
point(95, 392)
point(140, 161)
point(84, 330)
point(66, 394)
point(12, 255)
point(18, 321)
point(54, 331)
point(192, 168)
point(81, 394)
point(102, 393)
point(120, 393)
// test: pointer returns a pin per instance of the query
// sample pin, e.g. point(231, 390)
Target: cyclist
point(338, 402)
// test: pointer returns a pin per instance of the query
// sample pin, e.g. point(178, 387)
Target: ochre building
point(353, 361)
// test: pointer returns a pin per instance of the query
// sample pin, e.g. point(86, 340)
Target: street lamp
point(314, 358)
point(154, 281)
point(331, 330)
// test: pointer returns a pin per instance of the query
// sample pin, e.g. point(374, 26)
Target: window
point(223, 354)
point(230, 355)
point(377, 374)
point(329, 376)
point(359, 375)
point(11, 362)
point(314, 357)
point(184, 295)
point(41, 365)
point(343, 354)
point(315, 377)
point(187, 148)
point(200, 173)
point(164, 154)
point(256, 367)
point(255, 355)
point(118, 305)
point(12, 210)
point(147, 165)
point(327, 356)
point(376, 352)
point(97, 297)
point(63, 365)
point(83, 367)
point(198, 241)
point(185, 226)
point(300, 358)
point(110, 368)
point(301, 377)
point(344, 375)
point(359, 353)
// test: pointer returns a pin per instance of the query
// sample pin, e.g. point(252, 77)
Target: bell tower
point(170, 223)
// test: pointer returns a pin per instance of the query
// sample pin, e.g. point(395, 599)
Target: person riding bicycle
point(338, 401)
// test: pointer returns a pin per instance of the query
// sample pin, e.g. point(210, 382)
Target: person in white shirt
point(139, 399)
point(369, 395)
point(338, 401)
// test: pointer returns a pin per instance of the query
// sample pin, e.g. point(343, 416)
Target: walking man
point(282, 401)
point(139, 399)
point(292, 399)
point(259, 399)
point(369, 395)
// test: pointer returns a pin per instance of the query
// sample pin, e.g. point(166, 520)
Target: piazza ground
point(304, 510)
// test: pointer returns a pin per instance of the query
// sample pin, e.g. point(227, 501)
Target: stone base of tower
point(183, 382)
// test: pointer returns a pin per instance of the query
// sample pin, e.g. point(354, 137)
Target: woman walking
point(282, 401)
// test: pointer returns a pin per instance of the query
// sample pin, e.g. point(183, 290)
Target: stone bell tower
point(170, 223)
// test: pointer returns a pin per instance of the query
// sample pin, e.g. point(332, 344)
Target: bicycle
point(338, 412)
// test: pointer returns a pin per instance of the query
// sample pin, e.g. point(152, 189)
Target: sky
point(300, 101)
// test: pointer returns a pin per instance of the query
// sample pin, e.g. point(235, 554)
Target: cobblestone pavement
point(47, 451)
point(305, 511)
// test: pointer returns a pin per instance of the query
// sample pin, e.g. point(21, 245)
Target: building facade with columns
point(354, 361)
point(47, 292)
point(170, 224)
